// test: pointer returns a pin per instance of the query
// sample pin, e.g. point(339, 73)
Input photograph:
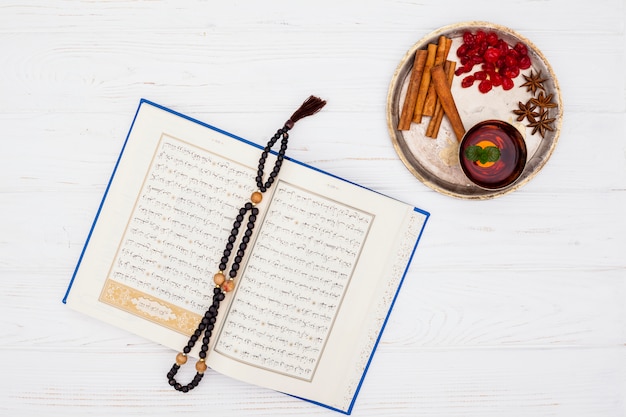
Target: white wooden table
point(513, 307)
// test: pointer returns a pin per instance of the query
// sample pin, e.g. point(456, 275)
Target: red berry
point(479, 36)
point(468, 38)
point(485, 86)
point(491, 55)
point(492, 38)
point(482, 47)
point(496, 79)
point(521, 49)
point(467, 81)
point(480, 75)
point(477, 60)
point(524, 62)
point(462, 51)
point(472, 52)
point(488, 67)
point(462, 70)
point(507, 83)
point(510, 61)
point(511, 72)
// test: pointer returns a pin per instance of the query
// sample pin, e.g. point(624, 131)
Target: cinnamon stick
point(447, 100)
point(432, 131)
point(424, 83)
point(441, 55)
point(410, 99)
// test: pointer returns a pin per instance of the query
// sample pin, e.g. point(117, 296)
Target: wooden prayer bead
point(181, 359)
point(256, 197)
point(228, 285)
point(201, 366)
point(219, 278)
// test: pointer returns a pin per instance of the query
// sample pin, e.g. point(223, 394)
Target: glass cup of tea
point(492, 154)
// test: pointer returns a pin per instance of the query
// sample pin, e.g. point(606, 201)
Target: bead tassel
point(223, 283)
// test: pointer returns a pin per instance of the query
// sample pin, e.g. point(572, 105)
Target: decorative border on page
point(148, 307)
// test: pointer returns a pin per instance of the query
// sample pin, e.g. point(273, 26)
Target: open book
point(320, 276)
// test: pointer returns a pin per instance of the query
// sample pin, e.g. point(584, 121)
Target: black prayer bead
point(222, 266)
point(202, 354)
point(232, 273)
point(186, 349)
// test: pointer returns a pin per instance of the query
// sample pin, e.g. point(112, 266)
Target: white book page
point(318, 287)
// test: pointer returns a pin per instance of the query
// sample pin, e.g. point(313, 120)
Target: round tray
point(435, 162)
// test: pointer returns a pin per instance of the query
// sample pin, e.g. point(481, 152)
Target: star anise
point(534, 82)
point(543, 124)
point(543, 101)
point(526, 111)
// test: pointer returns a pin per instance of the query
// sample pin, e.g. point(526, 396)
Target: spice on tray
point(441, 55)
point(406, 116)
point(543, 101)
point(526, 111)
point(536, 109)
point(420, 99)
point(534, 82)
point(424, 83)
point(447, 100)
point(432, 130)
point(543, 124)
